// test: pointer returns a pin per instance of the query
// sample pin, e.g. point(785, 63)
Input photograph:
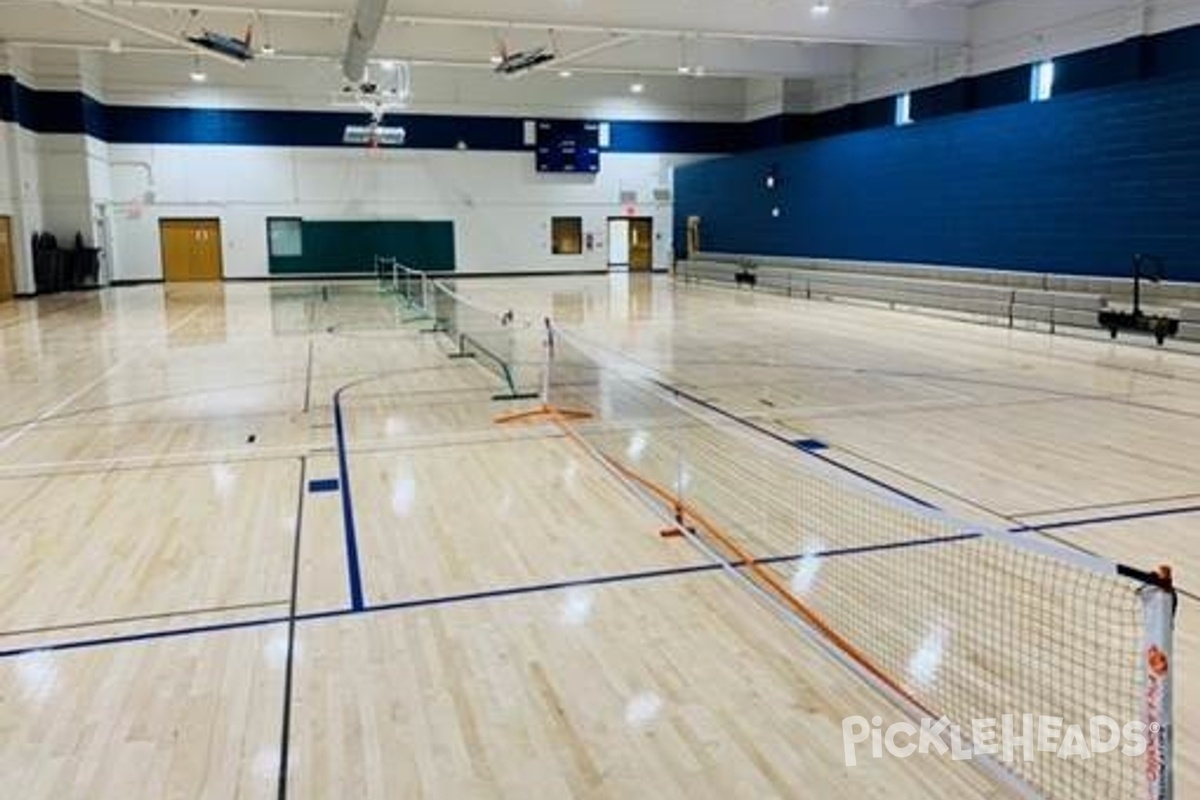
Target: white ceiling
point(779, 38)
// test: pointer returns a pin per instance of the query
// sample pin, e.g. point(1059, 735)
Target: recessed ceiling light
point(820, 8)
point(637, 88)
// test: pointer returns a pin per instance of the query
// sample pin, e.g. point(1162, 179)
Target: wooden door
point(191, 249)
point(7, 277)
point(641, 244)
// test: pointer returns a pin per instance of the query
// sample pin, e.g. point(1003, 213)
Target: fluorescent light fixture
point(565, 73)
point(496, 59)
point(684, 69)
point(637, 88)
point(268, 49)
point(820, 8)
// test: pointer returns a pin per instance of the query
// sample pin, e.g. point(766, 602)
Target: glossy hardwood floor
point(267, 541)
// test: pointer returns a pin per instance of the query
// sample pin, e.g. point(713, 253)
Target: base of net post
point(543, 412)
point(677, 533)
point(680, 529)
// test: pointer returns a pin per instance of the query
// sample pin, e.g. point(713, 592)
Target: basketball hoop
point(385, 88)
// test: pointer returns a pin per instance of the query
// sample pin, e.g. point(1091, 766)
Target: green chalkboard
point(350, 246)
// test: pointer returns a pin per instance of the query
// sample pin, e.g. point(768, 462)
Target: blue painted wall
point(984, 178)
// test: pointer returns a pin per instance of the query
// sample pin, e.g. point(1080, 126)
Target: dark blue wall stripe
point(1075, 185)
point(1170, 54)
point(75, 112)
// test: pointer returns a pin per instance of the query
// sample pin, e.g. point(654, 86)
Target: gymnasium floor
point(193, 595)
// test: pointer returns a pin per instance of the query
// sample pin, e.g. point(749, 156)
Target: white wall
point(1003, 34)
point(500, 206)
point(20, 196)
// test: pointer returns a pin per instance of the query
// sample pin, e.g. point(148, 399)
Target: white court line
point(13, 437)
point(57, 407)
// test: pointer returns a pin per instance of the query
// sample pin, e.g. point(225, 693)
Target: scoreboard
point(568, 146)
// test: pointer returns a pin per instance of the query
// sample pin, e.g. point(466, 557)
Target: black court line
point(308, 375)
point(286, 726)
point(754, 426)
point(40, 315)
point(95, 623)
point(514, 591)
point(163, 398)
point(1106, 520)
point(1144, 501)
point(15, 472)
point(349, 530)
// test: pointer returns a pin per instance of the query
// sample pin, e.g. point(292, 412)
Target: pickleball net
point(493, 337)
point(950, 619)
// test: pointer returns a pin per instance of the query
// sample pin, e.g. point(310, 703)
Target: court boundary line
point(545, 587)
point(62, 469)
point(349, 530)
point(290, 663)
point(757, 428)
point(132, 620)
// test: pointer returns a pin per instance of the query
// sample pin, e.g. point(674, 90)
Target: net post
point(547, 362)
point(1159, 605)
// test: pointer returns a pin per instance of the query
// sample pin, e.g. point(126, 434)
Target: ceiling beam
point(885, 22)
point(179, 42)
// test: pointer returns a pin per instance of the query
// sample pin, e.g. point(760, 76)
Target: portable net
point(493, 337)
point(950, 619)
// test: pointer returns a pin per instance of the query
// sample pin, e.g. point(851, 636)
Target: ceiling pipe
point(47, 44)
point(179, 42)
point(608, 44)
point(368, 19)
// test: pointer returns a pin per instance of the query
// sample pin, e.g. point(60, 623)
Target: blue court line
point(783, 439)
point(324, 485)
point(486, 594)
point(353, 568)
point(602, 580)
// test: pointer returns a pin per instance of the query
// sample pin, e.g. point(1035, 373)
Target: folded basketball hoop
point(373, 136)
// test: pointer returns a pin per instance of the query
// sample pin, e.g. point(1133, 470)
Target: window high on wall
point(1041, 84)
point(904, 109)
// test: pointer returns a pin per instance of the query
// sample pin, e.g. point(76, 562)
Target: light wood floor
point(177, 613)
